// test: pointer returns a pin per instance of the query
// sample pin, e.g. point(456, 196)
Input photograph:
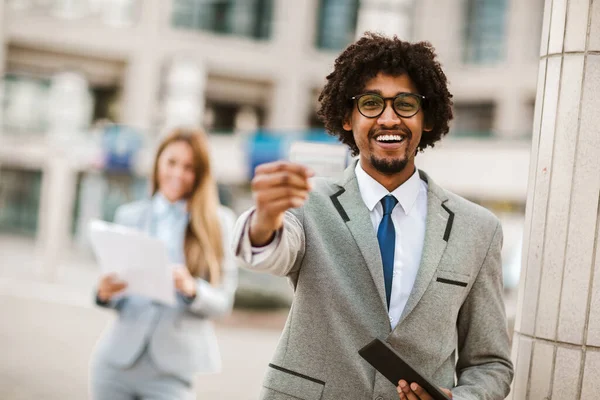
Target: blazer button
point(379, 398)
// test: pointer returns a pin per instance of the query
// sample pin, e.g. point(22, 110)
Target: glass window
point(337, 23)
point(224, 118)
point(485, 31)
point(250, 18)
point(473, 119)
point(20, 95)
point(19, 200)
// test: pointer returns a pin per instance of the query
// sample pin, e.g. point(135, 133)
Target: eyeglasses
point(372, 105)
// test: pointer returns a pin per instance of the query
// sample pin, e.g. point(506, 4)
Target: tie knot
point(388, 203)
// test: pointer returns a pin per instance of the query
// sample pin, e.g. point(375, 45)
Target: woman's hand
point(109, 286)
point(184, 282)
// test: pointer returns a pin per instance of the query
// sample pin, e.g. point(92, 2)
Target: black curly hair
point(372, 54)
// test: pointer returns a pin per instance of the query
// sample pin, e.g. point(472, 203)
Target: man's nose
point(388, 117)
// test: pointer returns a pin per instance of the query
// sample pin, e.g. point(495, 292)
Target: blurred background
point(89, 86)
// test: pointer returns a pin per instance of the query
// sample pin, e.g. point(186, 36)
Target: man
point(384, 251)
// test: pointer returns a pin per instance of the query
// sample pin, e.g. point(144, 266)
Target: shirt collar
point(372, 191)
point(162, 206)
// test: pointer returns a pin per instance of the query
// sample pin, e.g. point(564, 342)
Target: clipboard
point(136, 258)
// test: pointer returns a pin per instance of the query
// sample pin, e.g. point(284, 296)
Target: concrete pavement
point(45, 348)
point(49, 330)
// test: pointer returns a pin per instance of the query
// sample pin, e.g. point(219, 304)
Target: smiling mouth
point(391, 139)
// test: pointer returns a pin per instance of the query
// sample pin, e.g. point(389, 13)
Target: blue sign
point(120, 144)
point(270, 145)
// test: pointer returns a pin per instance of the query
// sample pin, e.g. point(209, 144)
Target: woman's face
point(176, 171)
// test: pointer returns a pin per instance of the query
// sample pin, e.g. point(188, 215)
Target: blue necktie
point(386, 235)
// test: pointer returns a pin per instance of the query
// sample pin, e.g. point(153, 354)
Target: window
point(19, 200)
point(20, 95)
point(485, 31)
point(337, 23)
point(221, 117)
point(250, 18)
point(473, 120)
point(106, 103)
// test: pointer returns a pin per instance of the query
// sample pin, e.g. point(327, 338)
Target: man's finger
point(280, 179)
point(116, 287)
point(274, 194)
point(406, 390)
point(280, 166)
point(423, 395)
point(109, 278)
point(281, 205)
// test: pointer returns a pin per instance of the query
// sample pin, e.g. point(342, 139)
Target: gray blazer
point(181, 340)
point(454, 321)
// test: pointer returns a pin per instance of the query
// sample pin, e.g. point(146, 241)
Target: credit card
point(327, 160)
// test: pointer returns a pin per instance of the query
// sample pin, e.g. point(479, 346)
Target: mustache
point(397, 130)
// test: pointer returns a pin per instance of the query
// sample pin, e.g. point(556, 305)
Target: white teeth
point(389, 138)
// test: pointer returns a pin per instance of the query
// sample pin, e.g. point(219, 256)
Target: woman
point(153, 351)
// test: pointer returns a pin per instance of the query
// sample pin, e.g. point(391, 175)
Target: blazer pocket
point(293, 383)
point(453, 278)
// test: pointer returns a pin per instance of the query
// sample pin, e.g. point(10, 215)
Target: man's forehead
point(386, 84)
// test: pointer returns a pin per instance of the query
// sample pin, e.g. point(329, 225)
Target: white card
point(325, 159)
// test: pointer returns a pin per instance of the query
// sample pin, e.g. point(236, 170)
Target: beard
point(391, 166)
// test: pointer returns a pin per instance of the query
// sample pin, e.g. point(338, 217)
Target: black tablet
point(389, 363)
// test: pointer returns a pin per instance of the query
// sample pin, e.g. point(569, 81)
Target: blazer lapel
point(348, 202)
point(437, 232)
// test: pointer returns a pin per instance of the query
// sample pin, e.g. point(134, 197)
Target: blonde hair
point(203, 244)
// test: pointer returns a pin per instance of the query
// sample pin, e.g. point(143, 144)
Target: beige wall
point(556, 347)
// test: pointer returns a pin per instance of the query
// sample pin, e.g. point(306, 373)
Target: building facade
point(237, 66)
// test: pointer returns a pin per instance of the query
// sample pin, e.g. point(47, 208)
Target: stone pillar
point(246, 120)
point(294, 24)
point(184, 101)
point(69, 113)
point(389, 17)
point(290, 105)
point(70, 107)
point(55, 217)
point(142, 76)
point(556, 346)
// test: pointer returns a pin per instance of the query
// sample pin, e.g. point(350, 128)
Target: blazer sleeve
point(215, 301)
point(484, 369)
point(282, 260)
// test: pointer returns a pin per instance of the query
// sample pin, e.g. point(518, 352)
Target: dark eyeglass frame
point(421, 100)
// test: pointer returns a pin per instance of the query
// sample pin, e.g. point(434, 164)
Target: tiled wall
point(556, 348)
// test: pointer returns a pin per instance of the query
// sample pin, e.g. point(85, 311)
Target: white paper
point(135, 258)
point(325, 159)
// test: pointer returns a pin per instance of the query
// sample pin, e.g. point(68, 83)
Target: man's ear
point(427, 124)
point(347, 122)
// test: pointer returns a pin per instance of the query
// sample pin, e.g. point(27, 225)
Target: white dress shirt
point(168, 224)
point(408, 217)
